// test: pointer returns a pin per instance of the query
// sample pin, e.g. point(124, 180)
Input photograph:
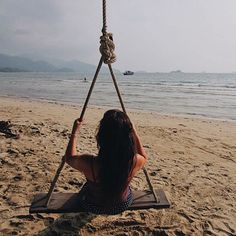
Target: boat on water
point(128, 72)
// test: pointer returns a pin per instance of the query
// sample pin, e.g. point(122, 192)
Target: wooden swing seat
point(69, 203)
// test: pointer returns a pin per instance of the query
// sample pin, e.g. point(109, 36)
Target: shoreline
point(132, 110)
point(192, 159)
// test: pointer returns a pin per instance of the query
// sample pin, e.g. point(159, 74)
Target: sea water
point(197, 94)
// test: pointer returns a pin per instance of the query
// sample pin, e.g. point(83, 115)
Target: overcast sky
point(150, 35)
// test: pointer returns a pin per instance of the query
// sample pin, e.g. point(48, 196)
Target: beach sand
point(192, 159)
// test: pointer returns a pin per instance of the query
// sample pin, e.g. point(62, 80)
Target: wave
point(197, 94)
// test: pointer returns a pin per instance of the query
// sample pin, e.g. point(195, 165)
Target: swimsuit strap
point(92, 168)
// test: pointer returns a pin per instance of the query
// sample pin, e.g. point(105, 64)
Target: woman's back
point(119, 158)
point(92, 173)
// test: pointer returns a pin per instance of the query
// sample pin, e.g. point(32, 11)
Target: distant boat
point(176, 71)
point(128, 72)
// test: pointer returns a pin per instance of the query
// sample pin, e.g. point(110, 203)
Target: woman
point(108, 174)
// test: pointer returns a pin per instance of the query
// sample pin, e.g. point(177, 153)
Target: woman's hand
point(76, 126)
point(71, 147)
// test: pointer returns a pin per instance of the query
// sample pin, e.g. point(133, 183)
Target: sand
point(192, 159)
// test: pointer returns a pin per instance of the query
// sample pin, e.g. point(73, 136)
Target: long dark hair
point(117, 148)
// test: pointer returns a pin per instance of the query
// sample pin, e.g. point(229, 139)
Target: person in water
point(120, 157)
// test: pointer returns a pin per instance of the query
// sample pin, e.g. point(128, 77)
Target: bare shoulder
point(80, 162)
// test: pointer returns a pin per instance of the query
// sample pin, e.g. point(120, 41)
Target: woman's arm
point(73, 158)
point(71, 147)
point(80, 162)
point(141, 155)
point(139, 146)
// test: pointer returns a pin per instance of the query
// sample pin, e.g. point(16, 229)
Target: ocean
point(195, 94)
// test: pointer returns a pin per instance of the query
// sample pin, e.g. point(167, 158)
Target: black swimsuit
point(115, 208)
point(92, 199)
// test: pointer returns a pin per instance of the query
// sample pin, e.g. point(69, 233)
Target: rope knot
point(107, 48)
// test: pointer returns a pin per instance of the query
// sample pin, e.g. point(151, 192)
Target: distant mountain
point(64, 69)
point(7, 69)
point(23, 63)
point(78, 66)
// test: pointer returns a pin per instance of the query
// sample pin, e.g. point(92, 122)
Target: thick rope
point(104, 11)
point(63, 160)
point(107, 46)
point(123, 108)
point(116, 87)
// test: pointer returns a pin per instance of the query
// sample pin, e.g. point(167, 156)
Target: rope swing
point(107, 48)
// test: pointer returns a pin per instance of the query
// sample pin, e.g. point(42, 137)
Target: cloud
point(59, 28)
point(21, 32)
point(149, 35)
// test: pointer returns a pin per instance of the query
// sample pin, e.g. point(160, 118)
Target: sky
point(150, 35)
